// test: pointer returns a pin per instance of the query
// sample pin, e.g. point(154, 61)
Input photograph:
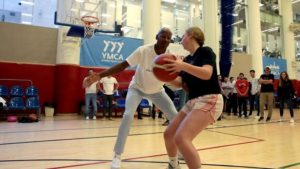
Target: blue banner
point(276, 65)
point(106, 51)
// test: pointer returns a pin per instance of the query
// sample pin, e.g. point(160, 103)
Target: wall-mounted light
point(238, 22)
point(271, 29)
point(26, 14)
point(27, 3)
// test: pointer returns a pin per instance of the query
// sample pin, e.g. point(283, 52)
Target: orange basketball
point(159, 71)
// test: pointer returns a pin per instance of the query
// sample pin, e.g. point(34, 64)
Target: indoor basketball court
point(70, 142)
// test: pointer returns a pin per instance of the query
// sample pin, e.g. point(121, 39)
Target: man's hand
point(93, 78)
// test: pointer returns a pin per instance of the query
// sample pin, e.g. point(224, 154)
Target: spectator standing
point(285, 94)
point(242, 87)
point(266, 93)
point(233, 97)
point(227, 90)
point(110, 85)
point(254, 93)
point(90, 96)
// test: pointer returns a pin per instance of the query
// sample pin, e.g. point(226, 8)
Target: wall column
point(151, 22)
point(67, 71)
point(255, 41)
point(212, 27)
point(288, 36)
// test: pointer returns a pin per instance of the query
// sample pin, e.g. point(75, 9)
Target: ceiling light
point(74, 10)
point(295, 1)
point(238, 22)
point(26, 22)
point(106, 15)
point(27, 3)
point(271, 29)
point(26, 14)
point(169, 1)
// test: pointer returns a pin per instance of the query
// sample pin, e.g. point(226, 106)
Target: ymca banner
point(106, 50)
point(276, 65)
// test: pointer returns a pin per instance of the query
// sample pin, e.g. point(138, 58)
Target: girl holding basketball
point(198, 75)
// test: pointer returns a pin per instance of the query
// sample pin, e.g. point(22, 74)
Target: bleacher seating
point(120, 105)
point(16, 103)
point(117, 94)
point(16, 91)
point(16, 98)
point(32, 103)
point(31, 91)
point(4, 91)
point(144, 104)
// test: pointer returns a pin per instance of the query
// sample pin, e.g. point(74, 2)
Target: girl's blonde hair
point(197, 34)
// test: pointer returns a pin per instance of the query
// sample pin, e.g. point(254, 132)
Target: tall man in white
point(110, 85)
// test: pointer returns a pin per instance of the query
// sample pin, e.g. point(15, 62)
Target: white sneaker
point(87, 117)
point(94, 118)
point(257, 117)
point(171, 167)
point(180, 156)
point(280, 119)
point(292, 120)
point(116, 162)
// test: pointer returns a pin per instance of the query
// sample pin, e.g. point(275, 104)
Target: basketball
point(159, 71)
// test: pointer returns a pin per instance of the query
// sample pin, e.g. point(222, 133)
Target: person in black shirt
point(266, 93)
point(286, 93)
point(199, 77)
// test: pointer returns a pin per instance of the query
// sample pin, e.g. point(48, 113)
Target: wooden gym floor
point(72, 142)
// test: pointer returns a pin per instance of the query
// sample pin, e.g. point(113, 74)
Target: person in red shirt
point(242, 87)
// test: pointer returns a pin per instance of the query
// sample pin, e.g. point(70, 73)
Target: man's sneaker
point(171, 167)
point(268, 119)
point(280, 119)
point(256, 117)
point(87, 117)
point(94, 118)
point(166, 123)
point(261, 118)
point(292, 120)
point(116, 162)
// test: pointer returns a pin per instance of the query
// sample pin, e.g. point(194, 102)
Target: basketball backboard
point(70, 12)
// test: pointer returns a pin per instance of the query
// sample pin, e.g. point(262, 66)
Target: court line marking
point(98, 137)
point(117, 126)
point(131, 161)
point(289, 166)
point(201, 149)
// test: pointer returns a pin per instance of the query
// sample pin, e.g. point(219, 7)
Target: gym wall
point(29, 52)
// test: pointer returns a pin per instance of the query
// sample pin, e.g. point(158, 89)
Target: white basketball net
point(89, 25)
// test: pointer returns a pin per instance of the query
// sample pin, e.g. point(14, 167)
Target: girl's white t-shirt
point(144, 79)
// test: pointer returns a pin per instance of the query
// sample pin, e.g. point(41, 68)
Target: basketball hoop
point(89, 25)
